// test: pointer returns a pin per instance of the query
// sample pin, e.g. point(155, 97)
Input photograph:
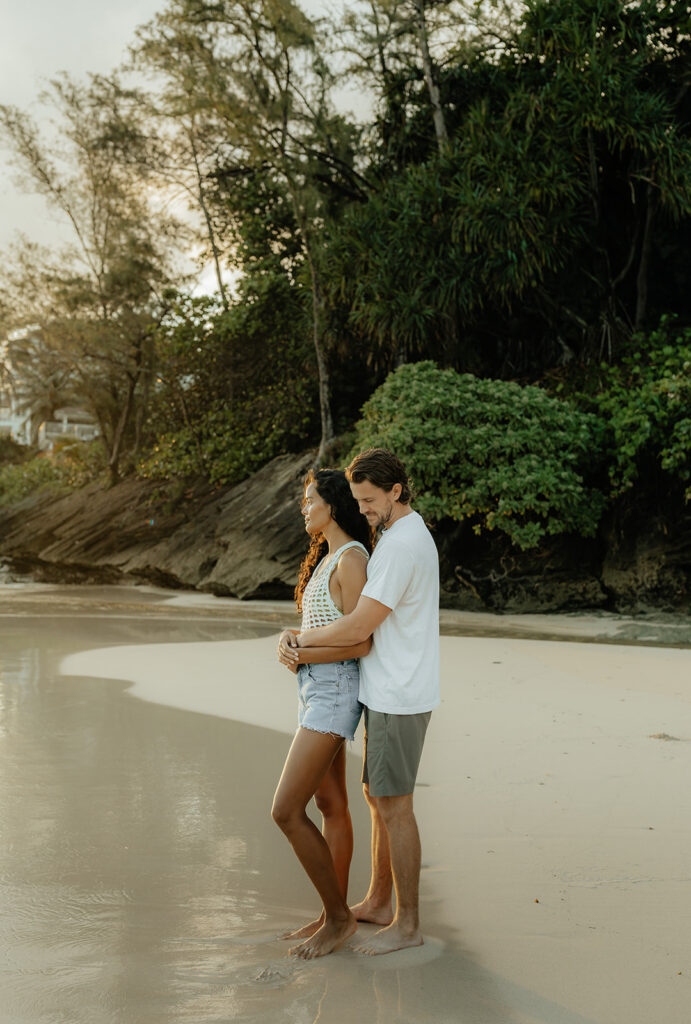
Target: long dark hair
point(331, 485)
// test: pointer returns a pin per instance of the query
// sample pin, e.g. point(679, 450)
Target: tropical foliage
point(646, 401)
point(509, 208)
point(98, 301)
point(73, 465)
point(500, 456)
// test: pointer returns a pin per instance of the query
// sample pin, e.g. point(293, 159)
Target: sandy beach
point(553, 801)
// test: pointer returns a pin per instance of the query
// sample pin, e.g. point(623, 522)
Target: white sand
point(555, 817)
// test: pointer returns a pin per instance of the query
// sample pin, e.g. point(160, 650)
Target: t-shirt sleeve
point(389, 578)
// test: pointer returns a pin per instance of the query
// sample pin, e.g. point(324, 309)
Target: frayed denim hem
point(328, 732)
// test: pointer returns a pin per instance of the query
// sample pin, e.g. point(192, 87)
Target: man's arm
point(321, 655)
point(349, 629)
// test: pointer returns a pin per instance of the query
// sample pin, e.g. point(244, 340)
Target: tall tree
point(268, 83)
point(391, 45)
point(186, 141)
point(39, 379)
point(97, 300)
point(420, 8)
point(539, 230)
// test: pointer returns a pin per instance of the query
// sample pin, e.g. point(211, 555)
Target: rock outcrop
point(651, 567)
point(246, 541)
point(479, 573)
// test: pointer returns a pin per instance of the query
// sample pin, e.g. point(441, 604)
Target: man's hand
point(287, 653)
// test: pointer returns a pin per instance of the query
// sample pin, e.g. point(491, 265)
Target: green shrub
point(12, 453)
point(646, 403)
point(73, 464)
point(227, 445)
point(80, 462)
point(501, 456)
point(38, 474)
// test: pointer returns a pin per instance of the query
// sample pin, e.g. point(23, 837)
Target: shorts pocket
point(325, 675)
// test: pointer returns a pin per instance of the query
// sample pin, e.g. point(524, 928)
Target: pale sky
point(40, 38)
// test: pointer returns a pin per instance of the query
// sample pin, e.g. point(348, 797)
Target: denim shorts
point(328, 697)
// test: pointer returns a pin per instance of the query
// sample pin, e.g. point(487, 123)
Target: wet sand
point(144, 881)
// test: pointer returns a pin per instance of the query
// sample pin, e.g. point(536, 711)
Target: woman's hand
point(287, 649)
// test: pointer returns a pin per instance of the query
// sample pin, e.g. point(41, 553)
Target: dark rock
point(247, 541)
point(650, 569)
point(244, 541)
point(487, 573)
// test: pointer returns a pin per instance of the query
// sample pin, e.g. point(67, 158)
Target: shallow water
point(124, 832)
point(141, 877)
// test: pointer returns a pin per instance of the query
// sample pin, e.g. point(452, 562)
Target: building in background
point(69, 423)
point(13, 422)
point(34, 395)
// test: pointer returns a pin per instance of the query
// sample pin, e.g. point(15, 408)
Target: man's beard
point(383, 521)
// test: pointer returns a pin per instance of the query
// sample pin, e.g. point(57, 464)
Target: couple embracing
point(369, 643)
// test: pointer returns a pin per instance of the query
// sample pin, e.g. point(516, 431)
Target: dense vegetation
point(490, 260)
point(501, 456)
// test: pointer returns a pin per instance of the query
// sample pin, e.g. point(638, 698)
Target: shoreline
point(650, 629)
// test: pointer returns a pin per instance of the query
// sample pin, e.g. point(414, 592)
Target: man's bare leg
point(377, 907)
point(331, 799)
point(404, 843)
point(308, 760)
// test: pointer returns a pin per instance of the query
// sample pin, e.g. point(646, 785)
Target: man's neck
point(399, 512)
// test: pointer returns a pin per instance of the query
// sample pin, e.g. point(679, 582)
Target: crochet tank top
point(318, 608)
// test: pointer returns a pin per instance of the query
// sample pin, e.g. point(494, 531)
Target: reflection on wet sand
point(142, 877)
point(143, 880)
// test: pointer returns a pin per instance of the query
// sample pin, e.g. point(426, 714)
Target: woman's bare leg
point(331, 799)
point(309, 758)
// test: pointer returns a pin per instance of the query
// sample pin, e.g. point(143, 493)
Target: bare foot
point(326, 939)
point(388, 940)
point(373, 913)
point(306, 932)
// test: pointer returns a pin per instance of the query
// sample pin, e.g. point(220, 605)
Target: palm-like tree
point(41, 381)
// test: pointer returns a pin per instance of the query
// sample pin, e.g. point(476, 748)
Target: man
point(399, 686)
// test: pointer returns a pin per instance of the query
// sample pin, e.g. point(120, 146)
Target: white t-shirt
point(400, 675)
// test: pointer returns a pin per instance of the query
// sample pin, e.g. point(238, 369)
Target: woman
point(331, 577)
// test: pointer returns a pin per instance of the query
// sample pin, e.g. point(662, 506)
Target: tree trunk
point(201, 461)
point(428, 71)
point(327, 426)
point(380, 45)
point(124, 418)
point(119, 433)
point(141, 413)
point(594, 176)
point(644, 263)
point(209, 224)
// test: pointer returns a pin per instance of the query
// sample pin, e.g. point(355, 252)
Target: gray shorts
point(328, 697)
point(393, 748)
